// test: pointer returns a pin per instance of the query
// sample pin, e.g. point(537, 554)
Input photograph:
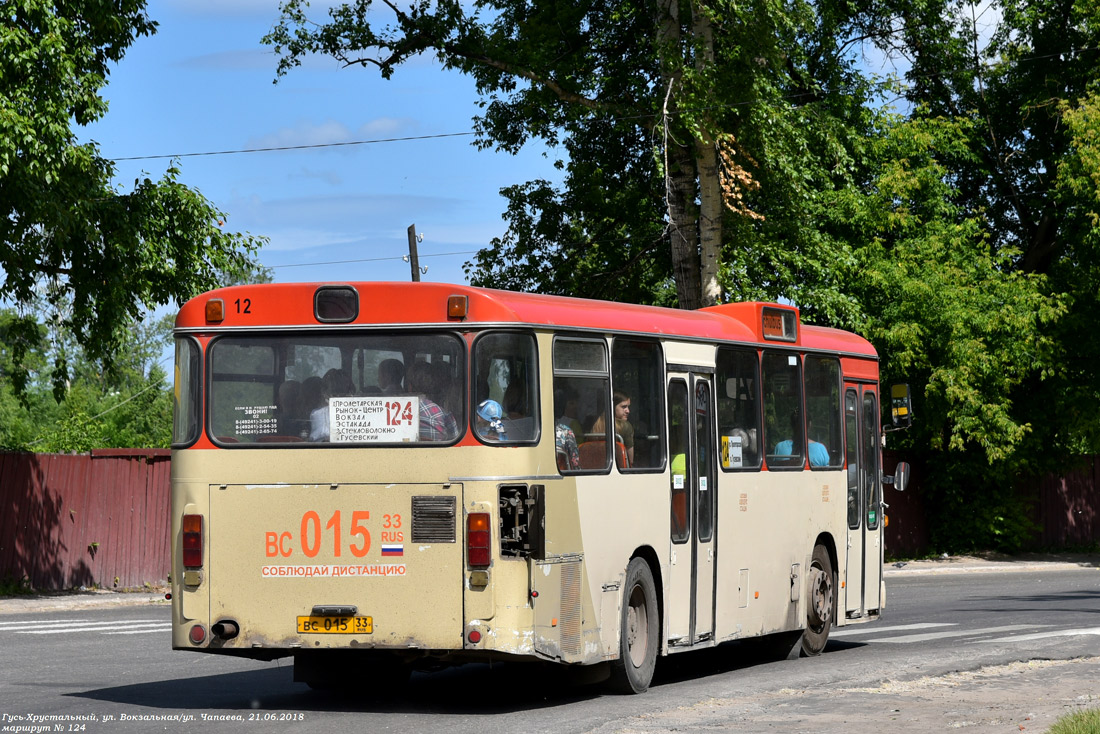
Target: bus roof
point(399, 303)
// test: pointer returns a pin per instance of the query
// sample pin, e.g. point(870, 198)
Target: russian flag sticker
point(393, 549)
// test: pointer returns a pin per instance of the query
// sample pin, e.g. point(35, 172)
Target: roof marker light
point(457, 307)
point(215, 311)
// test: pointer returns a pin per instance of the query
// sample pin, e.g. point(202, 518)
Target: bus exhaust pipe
point(225, 629)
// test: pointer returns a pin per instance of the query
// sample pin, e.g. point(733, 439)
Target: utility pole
point(414, 259)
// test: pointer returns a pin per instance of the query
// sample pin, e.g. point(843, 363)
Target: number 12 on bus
point(376, 477)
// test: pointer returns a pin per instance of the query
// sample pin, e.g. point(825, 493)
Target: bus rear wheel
point(638, 627)
point(821, 604)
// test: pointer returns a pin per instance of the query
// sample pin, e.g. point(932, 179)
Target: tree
point(1016, 82)
point(662, 108)
point(94, 256)
point(127, 404)
point(737, 150)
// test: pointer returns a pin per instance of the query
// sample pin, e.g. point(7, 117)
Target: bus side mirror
point(901, 406)
point(900, 480)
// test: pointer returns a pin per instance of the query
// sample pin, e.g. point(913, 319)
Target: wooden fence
point(102, 518)
point(1065, 508)
point(88, 519)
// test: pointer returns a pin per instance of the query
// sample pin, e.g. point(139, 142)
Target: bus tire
point(638, 631)
point(820, 603)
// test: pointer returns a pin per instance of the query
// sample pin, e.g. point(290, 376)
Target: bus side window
point(825, 440)
point(507, 376)
point(637, 401)
point(581, 405)
point(738, 408)
point(784, 431)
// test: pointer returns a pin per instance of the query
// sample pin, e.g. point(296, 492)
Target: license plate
point(335, 625)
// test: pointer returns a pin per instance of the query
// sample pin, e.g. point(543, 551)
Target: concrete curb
point(967, 564)
point(892, 572)
point(76, 600)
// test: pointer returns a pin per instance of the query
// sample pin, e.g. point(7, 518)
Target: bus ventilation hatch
point(571, 609)
point(433, 519)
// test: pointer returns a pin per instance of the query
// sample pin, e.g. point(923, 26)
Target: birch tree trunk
point(706, 152)
point(679, 163)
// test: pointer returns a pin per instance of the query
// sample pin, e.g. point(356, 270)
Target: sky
point(204, 83)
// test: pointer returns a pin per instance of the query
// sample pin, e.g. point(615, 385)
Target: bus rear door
point(692, 564)
point(864, 573)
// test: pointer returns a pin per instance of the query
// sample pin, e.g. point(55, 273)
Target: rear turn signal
point(477, 540)
point(192, 541)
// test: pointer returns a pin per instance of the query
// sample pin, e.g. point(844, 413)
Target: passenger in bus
point(518, 423)
point(489, 421)
point(565, 440)
point(436, 422)
point(390, 374)
point(678, 474)
point(819, 453)
point(565, 409)
point(445, 391)
point(310, 398)
point(287, 406)
point(623, 427)
point(624, 431)
point(335, 384)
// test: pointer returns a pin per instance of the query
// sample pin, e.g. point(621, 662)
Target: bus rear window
point(185, 426)
point(337, 389)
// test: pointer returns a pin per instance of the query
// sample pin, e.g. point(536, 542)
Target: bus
point(373, 478)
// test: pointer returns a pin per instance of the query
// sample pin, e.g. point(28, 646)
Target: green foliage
point(667, 117)
point(961, 237)
point(1078, 722)
point(126, 404)
point(15, 587)
point(93, 257)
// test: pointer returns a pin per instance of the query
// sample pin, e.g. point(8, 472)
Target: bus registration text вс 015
point(335, 625)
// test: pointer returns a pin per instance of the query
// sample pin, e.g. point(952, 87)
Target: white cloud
point(239, 8)
point(262, 58)
point(318, 221)
point(330, 132)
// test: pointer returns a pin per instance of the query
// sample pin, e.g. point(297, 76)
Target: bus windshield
point(350, 388)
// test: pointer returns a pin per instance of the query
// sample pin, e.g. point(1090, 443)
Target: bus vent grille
point(433, 519)
point(571, 610)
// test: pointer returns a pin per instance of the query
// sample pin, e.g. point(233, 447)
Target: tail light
point(477, 540)
point(192, 541)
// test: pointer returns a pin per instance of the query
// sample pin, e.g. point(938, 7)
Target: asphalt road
point(989, 650)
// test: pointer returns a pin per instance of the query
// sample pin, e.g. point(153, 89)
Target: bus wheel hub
point(821, 596)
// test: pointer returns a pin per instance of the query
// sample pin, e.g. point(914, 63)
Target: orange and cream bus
point(375, 477)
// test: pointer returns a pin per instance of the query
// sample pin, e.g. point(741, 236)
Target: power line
point(789, 97)
point(371, 259)
point(292, 147)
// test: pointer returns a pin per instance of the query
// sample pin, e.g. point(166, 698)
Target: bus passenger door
point(692, 492)
point(864, 572)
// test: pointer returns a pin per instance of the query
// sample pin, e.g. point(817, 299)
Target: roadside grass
point(15, 587)
point(1081, 722)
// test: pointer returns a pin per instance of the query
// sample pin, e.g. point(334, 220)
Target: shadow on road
point(483, 689)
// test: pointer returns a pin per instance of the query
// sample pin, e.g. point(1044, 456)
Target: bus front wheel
point(821, 604)
point(638, 628)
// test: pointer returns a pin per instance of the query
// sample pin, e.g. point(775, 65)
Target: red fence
point(78, 520)
point(102, 518)
point(1068, 510)
point(1065, 508)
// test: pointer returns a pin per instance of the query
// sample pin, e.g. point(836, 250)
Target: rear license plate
point(335, 625)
